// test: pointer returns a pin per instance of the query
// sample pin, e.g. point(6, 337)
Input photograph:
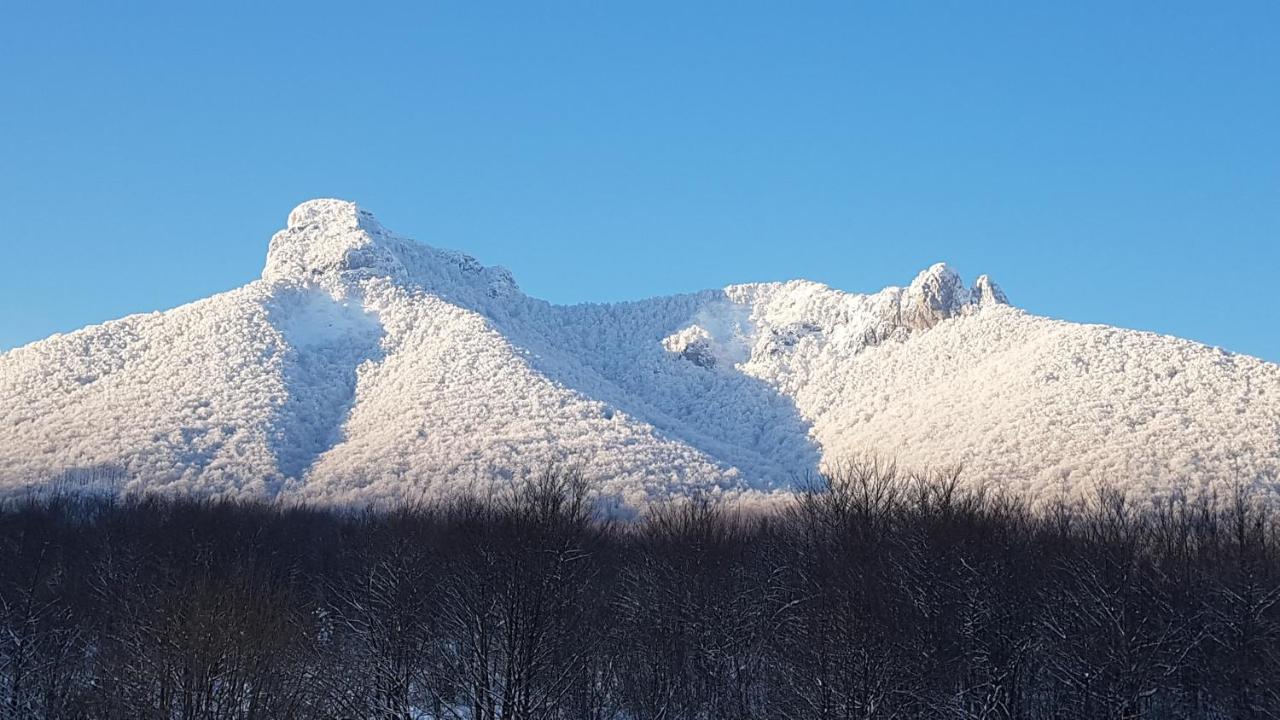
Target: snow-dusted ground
point(364, 366)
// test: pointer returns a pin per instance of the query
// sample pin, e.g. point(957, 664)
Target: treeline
point(875, 596)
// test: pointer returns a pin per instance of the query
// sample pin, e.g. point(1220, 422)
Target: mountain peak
point(939, 292)
point(329, 211)
point(328, 239)
point(986, 292)
point(327, 236)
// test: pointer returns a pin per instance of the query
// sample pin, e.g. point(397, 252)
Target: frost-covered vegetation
point(870, 596)
point(366, 367)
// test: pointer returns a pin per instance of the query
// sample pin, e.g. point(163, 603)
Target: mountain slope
point(364, 366)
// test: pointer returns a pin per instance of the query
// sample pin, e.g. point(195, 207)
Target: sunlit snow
point(367, 367)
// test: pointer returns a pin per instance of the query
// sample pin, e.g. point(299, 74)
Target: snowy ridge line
point(366, 367)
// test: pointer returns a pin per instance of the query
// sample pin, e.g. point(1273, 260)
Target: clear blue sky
point(1104, 161)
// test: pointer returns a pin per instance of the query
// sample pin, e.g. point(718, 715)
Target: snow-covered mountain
point(364, 366)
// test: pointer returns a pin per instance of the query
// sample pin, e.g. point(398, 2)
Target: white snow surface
point(365, 367)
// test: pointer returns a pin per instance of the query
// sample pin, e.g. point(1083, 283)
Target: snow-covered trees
point(364, 367)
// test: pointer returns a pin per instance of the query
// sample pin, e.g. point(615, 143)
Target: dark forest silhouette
point(874, 596)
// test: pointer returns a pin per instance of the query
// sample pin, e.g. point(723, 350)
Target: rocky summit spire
point(986, 292)
point(939, 293)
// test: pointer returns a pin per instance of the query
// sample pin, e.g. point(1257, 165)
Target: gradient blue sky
point(1104, 161)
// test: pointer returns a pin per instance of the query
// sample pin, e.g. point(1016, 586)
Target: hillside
point(364, 366)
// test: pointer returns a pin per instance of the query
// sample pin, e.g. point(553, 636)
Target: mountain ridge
point(363, 367)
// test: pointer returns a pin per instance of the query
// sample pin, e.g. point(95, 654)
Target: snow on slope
point(364, 366)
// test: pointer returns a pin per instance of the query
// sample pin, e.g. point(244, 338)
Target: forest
point(875, 594)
